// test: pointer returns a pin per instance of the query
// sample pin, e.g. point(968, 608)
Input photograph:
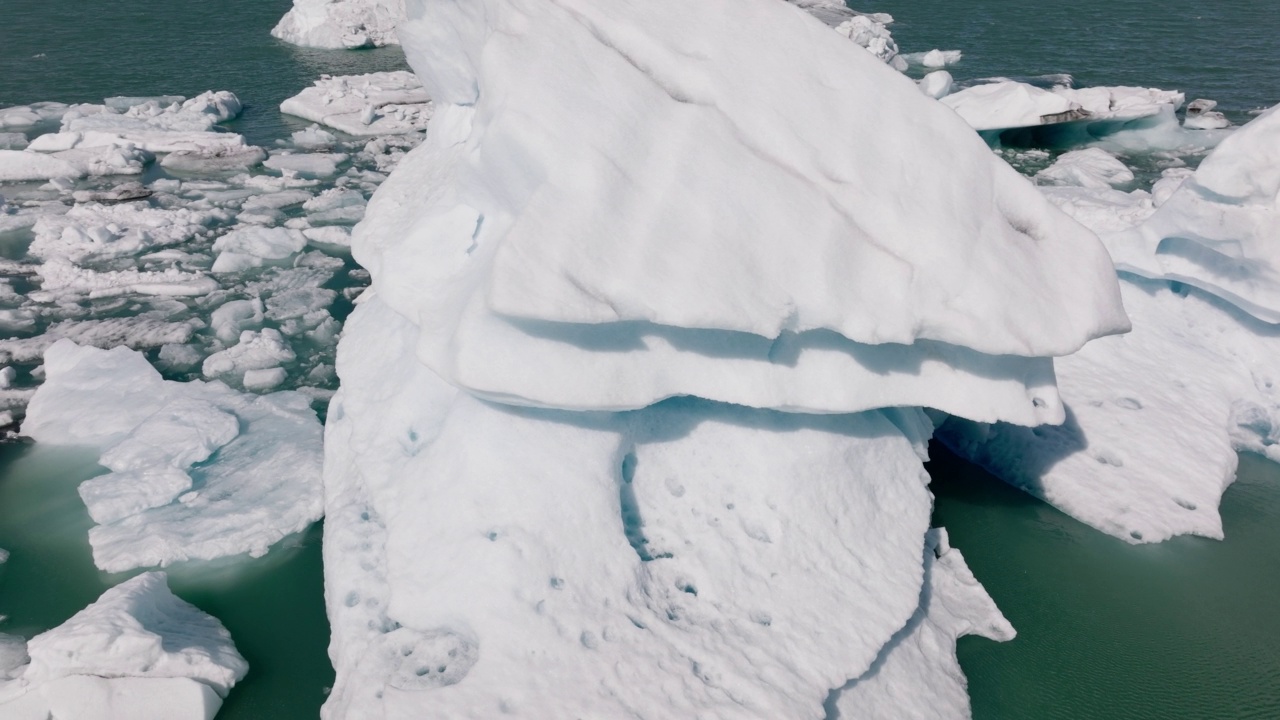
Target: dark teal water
point(1182, 630)
point(75, 51)
point(1225, 50)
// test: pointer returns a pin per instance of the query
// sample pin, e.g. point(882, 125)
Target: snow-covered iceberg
point(1011, 104)
point(540, 500)
point(198, 470)
point(341, 23)
point(137, 653)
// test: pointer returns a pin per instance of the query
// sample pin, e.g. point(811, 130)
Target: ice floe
point(138, 652)
point(1011, 104)
point(200, 471)
point(383, 103)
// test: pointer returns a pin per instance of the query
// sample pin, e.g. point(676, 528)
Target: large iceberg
point(544, 495)
point(137, 653)
point(199, 471)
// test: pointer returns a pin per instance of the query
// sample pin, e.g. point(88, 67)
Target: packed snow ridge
point(139, 652)
point(621, 306)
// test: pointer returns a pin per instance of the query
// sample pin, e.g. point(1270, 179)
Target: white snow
point(664, 237)
point(703, 539)
point(1218, 230)
point(341, 23)
point(382, 103)
point(262, 484)
point(138, 652)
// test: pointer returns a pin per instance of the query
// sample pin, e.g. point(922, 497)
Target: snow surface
point(1218, 230)
point(554, 229)
point(703, 539)
point(200, 471)
point(137, 653)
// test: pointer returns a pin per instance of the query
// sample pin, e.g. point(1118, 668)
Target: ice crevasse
point(629, 421)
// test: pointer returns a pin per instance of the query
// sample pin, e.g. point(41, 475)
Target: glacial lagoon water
point(1184, 629)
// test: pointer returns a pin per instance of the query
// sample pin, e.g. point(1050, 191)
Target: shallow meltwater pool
point(1186, 628)
point(273, 606)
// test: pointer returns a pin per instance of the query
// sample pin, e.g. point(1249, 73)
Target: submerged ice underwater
point(668, 560)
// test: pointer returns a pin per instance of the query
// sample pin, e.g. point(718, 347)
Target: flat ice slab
point(384, 103)
point(199, 471)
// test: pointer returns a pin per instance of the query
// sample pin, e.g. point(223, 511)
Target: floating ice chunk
point(250, 247)
point(334, 198)
point(60, 278)
point(329, 236)
point(137, 629)
point(7, 376)
point(1218, 230)
point(259, 487)
point(255, 351)
point(97, 232)
point(133, 332)
point(383, 103)
point(221, 158)
point(314, 138)
point(180, 357)
point(123, 103)
point(933, 58)
point(264, 379)
point(13, 652)
point(1010, 104)
point(118, 495)
point(1088, 168)
point(306, 165)
point(341, 23)
point(278, 200)
point(232, 318)
point(4, 558)
point(297, 302)
point(131, 191)
point(1202, 116)
point(709, 534)
point(25, 166)
point(917, 674)
point(25, 117)
point(936, 84)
